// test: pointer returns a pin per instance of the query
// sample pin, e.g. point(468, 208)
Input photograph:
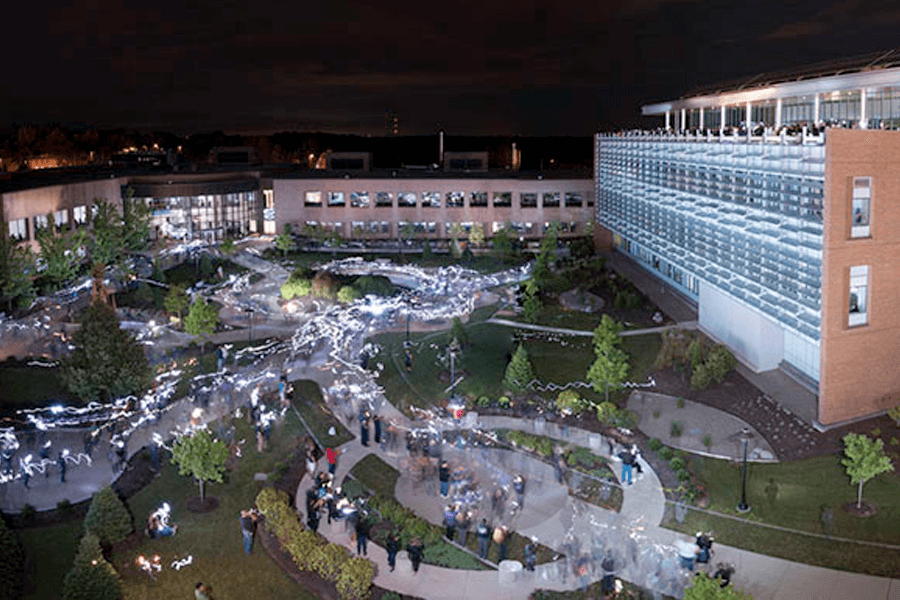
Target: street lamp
point(454, 347)
point(745, 436)
point(409, 302)
point(249, 312)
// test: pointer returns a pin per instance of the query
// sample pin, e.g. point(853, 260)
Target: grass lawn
point(376, 475)
point(22, 386)
point(188, 273)
point(212, 539)
point(555, 316)
point(308, 402)
point(794, 495)
point(50, 552)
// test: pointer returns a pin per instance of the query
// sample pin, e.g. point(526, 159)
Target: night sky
point(470, 67)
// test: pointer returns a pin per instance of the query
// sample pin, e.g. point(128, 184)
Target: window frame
point(860, 208)
point(858, 281)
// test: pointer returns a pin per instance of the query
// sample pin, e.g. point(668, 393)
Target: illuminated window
point(61, 220)
point(551, 199)
point(40, 222)
point(313, 199)
point(859, 295)
point(384, 199)
point(862, 198)
point(431, 199)
point(528, 200)
point(359, 199)
point(479, 199)
point(79, 214)
point(335, 198)
point(502, 198)
point(574, 199)
point(455, 199)
point(18, 229)
point(406, 199)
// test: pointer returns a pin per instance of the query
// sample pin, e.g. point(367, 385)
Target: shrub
point(676, 429)
point(676, 463)
point(894, 413)
point(484, 402)
point(28, 514)
point(91, 577)
point(655, 414)
point(375, 285)
point(568, 401)
point(720, 361)
point(894, 441)
point(12, 564)
point(327, 560)
point(626, 419)
point(64, 506)
point(876, 432)
point(665, 453)
point(695, 353)
point(654, 444)
point(680, 402)
point(701, 377)
point(348, 294)
point(683, 474)
point(354, 582)
point(108, 518)
point(707, 441)
point(607, 413)
point(503, 401)
point(296, 288)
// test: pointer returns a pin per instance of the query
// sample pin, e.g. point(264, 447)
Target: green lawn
point(555, 316)
point(22, 386)
point(376, 475)
point(50, 552)
point(308, 401)
point(212, 539)
point(794, 495)
point(188, 273)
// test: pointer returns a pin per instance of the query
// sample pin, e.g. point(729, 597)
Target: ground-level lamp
point(744, 436)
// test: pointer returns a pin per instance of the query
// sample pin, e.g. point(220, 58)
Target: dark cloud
point(471, 67)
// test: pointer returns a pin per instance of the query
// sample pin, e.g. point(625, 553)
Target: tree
point(476, 235)
point(864, 460)
point(201, 457)
point(607, 333)
point(17, 265)
point(704, 587)
point(91, 577)
point(519, 372)
point(107, 361)
point(202, 318)
point(106, 243)
point(456, 230)
point(176, 300)
point(60, 252)
point(108, 518)
point(609, 369)
point(531, 303)
point(227, 246)
point(541, 270)
point(284, 241)
point(12, 564)
point(503, 249)
point(135, 222)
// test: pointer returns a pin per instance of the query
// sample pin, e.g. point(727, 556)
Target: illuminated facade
point(770, 206)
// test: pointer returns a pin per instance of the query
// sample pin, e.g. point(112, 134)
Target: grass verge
point(308, 402)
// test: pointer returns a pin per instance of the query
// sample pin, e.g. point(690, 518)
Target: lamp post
point(408, 310)
point(745, 436)
point(249, 312)
point(453, 349)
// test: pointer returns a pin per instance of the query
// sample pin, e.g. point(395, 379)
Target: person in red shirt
point(331, 455)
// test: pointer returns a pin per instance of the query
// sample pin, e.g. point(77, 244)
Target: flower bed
point(351, 575)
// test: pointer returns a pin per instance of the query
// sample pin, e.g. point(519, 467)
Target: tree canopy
point(202, 318)
point(864, 459)
point(107, 362)
point(201, 457)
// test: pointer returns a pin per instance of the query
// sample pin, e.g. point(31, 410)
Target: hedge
point(351, 576)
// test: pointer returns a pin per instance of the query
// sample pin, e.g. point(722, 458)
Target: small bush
point(701, 377)
point(569, 401)
point(707, 441)
point(28, 514)
point(607, 413)
point(64, 506)
point(683, 474)
point(354, 582)
point(375, 285)
point(503, 401)
point(894, 413)
point(676, 429)
point(654, 444)
point(108, 518)
point(484, 402)
point(665, 453)
point(655, 414)
point(676, 463)
point(348, 294)
point(680, 402)
point(894, 441)
point(296, 288)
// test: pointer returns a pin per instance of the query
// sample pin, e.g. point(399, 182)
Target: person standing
point(201, 592)
point(444, 476)
point(501, 537)
point(282, 390)
point(364, 428)
point(530, 555)
point(331, 456)
point(376, 421)
point(627, 462)
point(61, 463)
point(415, 549)
point(362, 535)
point(392, 546)
point(483, 532)
point(450, 521)
point(519, 486)
point(463, 522)
point(248, 525)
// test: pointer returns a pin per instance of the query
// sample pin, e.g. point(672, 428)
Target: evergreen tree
point(609, 369)
point(106, 244)
point(519, 372)
point(12, 564)
point(285, 240)
point(108, 517)
point(502, 243)
point(607, 333)
point(202, 318)
point(107, 361)
point(865, 458)
point(135, 222)
point(17, 266)
point(201, 457)
point(176, 300)
point(91, 577)
point(60, 252)
point(531, 303)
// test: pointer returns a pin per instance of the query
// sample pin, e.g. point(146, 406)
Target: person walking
point(450, 521)
point(627, 459)
point(392, 546)
point(364, 428)
point(61, 463)
point(362, 535)
point(444, 476)
point(483, 532)
point(331, 456)
point(530, 555)
point(248, 525)
point(376, 422)
point(501, 538)
point(519, 486)
point(415, 548)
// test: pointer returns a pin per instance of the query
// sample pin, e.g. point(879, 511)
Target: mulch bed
point(208, 504)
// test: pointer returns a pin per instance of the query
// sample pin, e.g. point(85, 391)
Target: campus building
point(770, 205)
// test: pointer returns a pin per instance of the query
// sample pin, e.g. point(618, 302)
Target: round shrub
point(677, 463)
point(683, 475)
point(665, 453)
point(91, 577)
point(654, 444)
point(108, 518)
point(348, 294)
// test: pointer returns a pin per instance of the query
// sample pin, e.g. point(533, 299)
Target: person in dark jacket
point(392, 546)
point(416, 550)
point(484, 538)
point(444, 476)
point(362, 536)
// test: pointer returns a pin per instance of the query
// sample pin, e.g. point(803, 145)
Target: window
point(18, 229)
point(573, 199)
point(528, 200)
point(40, 222)
point(359, 199)
point(313, 199)
point(859, 295)
point(862, 196)
point(384, 199)
point(479, 199)
point(61, 220)
point(502, 198)
point(79, 214)
point(551, 199)
point(335, 198)
point(406, 199)
point(455, 199)
point(431, 199)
